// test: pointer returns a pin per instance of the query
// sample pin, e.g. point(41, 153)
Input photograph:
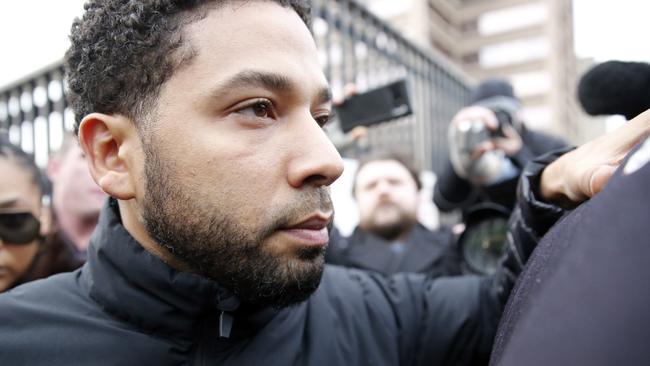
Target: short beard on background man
point(393, 229)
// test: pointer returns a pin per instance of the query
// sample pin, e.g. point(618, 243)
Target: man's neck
point(402, 236)
point(135, 226)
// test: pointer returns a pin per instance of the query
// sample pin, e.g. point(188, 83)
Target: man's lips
point(312, 231)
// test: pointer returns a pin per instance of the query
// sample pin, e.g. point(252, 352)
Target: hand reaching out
point(580, 174)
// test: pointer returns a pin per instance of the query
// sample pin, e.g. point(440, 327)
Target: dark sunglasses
point(19, 227)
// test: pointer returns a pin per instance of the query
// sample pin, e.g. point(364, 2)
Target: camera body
point(470, 134)
point(491, 166)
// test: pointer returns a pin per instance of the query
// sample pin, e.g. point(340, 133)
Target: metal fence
point(355, 47)
point(34, 112)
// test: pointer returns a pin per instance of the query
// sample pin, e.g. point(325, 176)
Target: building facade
point(529, 42)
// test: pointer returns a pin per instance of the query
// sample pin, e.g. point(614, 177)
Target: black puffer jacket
point(583, 298)
point(127, 307)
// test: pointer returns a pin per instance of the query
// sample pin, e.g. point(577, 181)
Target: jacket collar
point(421, 248)
point(134, 285)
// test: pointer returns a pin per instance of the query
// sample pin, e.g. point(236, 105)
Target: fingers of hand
point(509, 145)
point(478, 114)
point(491, 121)
point(358, 132)
point(592, 165)
point(337, 101)
point(510, 132)
point(599, 179)
point(349, 90)
point(637, 129)
point(482, 148)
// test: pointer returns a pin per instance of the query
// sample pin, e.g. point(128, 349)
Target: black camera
point(473, 133)
point(483, 242)
point(504, 108)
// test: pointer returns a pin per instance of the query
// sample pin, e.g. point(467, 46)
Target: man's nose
point(315, 160)
point(383, 188)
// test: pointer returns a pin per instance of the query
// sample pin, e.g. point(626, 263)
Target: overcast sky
point(612, 29)
point(34, 32)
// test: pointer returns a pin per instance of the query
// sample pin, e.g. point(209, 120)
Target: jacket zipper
point(203, 341)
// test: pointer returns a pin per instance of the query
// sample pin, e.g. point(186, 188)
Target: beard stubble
point(217, 246)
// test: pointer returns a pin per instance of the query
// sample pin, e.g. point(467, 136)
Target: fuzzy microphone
point(616, 87)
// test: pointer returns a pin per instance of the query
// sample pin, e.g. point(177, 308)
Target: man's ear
point(105, 140)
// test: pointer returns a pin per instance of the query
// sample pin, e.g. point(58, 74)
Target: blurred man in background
point(389, 239)
point(488, 147)
point(76, 198)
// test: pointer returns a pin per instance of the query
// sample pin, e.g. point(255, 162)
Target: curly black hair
point(124, 50)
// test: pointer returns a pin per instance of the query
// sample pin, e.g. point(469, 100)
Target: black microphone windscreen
point(616, 87)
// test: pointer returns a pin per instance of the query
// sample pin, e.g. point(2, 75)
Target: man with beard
point(202, 120)
point(76, 198)
point(389, 238)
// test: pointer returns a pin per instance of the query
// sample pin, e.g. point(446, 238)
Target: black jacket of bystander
point(424, 251)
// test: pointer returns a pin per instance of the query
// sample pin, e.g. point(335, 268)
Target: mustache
point(387, 204)
point(301, 206)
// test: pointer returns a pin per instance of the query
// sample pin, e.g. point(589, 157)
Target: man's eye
point(322, 120)
point(260, 109)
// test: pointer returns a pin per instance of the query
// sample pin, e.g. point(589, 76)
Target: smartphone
point(375, 106)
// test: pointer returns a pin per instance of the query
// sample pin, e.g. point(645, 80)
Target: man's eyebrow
point(252, 79)
point(262, 79)
point(8, 203)
point(324, 95)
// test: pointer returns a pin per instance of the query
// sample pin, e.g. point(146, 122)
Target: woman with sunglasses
point(29, 249)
